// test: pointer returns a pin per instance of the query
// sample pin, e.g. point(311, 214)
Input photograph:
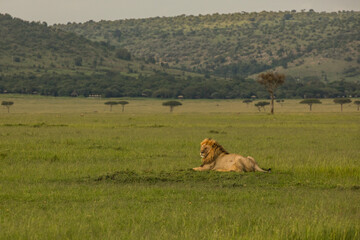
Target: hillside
point(26, 46)
point(301, 44)
point(38, 59)
point(35, 58)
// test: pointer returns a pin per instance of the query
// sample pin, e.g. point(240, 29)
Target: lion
point(215, 157)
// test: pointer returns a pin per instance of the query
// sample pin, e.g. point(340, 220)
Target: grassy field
point(71, 169)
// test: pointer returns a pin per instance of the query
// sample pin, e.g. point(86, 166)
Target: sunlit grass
point(71, 169)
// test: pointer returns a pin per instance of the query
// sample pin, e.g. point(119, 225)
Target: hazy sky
point(63, 11)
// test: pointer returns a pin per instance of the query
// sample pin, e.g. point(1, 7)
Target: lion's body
point(214, 157)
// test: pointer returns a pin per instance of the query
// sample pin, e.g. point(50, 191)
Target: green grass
point(70, 169)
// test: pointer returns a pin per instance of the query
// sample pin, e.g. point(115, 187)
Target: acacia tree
point(7, 104)
point(172, 104)
point(310, 102)
point(342, 101)
point(271, 81)
point(247, 101)
point(260, 105)
point(111, 103)
point(123, 103)
point(281, 101)
point(358, 104)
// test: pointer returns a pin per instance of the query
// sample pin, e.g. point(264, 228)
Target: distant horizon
point(187, 15)
point(80, 11)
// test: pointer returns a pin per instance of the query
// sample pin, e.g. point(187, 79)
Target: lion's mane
point(216, 150)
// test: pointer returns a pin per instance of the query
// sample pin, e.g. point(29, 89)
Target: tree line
point(164, 85)
point(259, 105)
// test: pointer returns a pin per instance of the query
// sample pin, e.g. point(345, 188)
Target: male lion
point(215, 157)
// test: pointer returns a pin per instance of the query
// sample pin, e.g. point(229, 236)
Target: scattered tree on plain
point(281, 101)
point(7, 104)
point(111, 103)
point(342, 101)
point(172, 104)
point(357, 102)
point(260, 105)
point(310, 102)
point(271, 81)
point(247, 101)
point(123, 103)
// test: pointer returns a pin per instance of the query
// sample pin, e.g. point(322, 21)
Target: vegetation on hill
point(37, 59)
point(326, 45)
point(34, 47)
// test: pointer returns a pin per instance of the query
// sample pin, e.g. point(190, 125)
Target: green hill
point(38, 59)
point(35, 58)
point(301, 44)
point(27, 46)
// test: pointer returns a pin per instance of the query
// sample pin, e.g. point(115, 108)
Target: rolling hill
point(35, 58)
point(162, 58)
point(300, 44)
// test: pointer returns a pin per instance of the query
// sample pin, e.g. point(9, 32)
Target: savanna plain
point(71, 169)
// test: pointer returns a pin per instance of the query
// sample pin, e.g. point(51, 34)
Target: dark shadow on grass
point(209, 178)
point(35, 125)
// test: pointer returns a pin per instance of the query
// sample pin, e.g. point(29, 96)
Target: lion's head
point(210, 150)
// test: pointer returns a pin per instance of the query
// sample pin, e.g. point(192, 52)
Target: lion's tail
point(257, 168)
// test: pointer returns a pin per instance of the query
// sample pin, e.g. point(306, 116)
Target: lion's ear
point(205, 141)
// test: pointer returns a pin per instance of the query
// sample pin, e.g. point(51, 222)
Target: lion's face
point(210, 150)
point(204, 150)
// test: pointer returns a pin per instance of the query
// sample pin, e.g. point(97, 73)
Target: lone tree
point(123, 103)
point(271, 81)
point(342, 101)
point(111, 103)
point(260, 105)
point(7, 104)
point(281, 101)
point(172, 104)
point(310, 102)
point(247, 101)
point(357, 102)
